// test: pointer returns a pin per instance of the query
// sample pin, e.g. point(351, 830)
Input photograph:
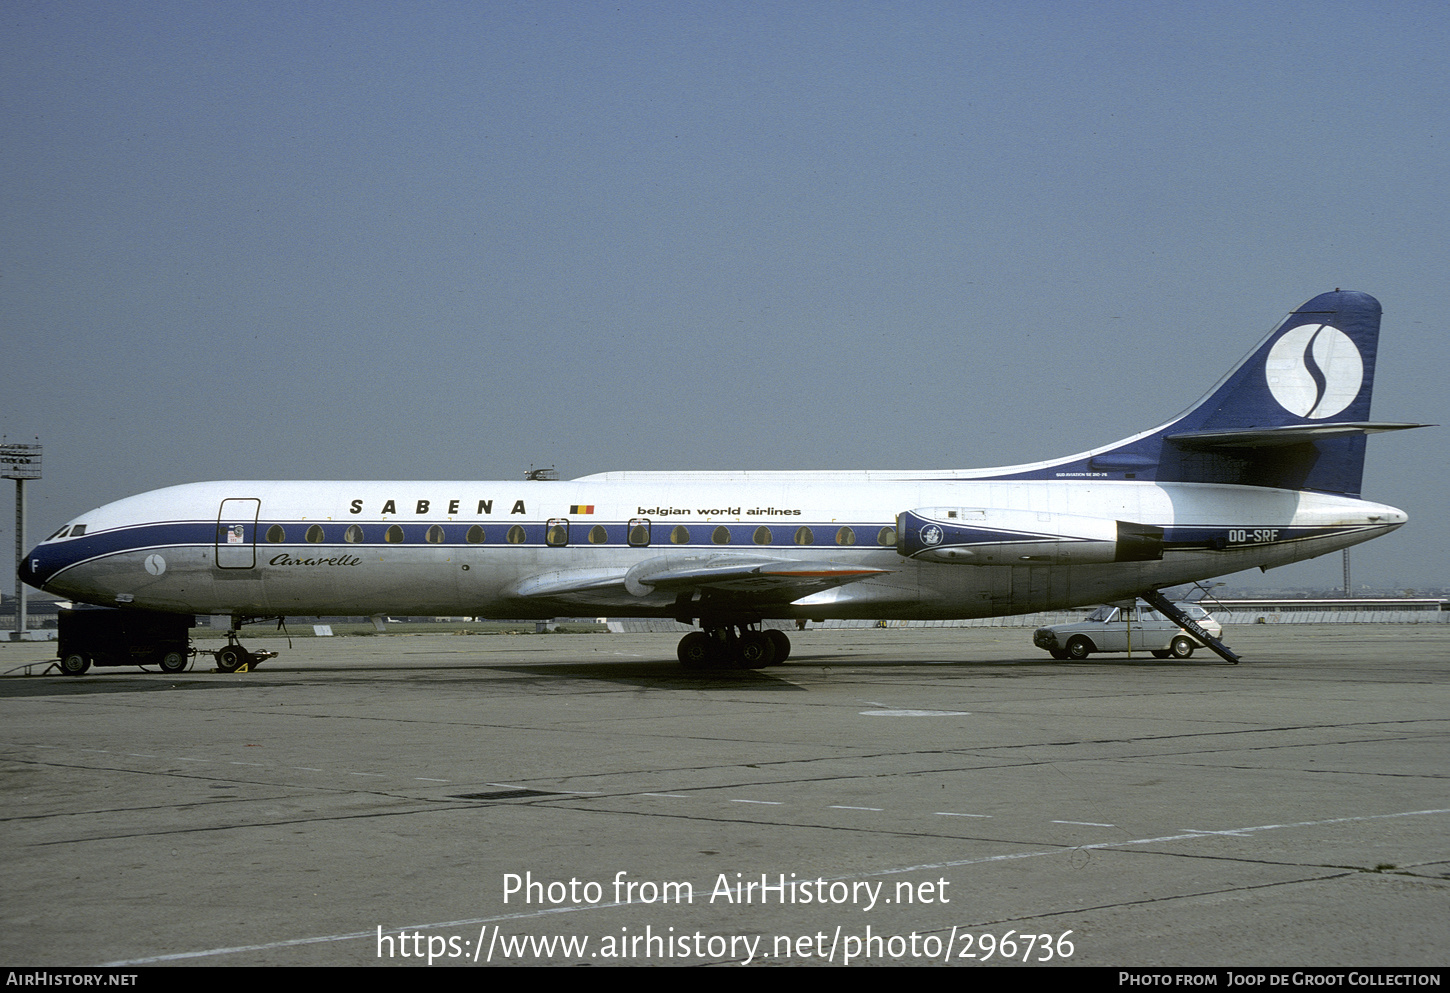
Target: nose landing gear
point(232, 657)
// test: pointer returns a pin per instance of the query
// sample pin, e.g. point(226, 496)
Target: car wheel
point(1079, 648)
point(1182, 647)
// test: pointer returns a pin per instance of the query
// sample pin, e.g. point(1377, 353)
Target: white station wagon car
point(1138, 628)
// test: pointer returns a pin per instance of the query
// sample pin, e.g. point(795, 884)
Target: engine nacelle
point(988, 536)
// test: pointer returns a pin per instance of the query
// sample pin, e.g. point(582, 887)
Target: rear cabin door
point(236, 533)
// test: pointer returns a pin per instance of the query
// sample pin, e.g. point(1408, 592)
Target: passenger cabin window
point(721, 535)
point(597, 535)
point(353, 534)
point(314, 534)
point(639, 532)
point(845, 536)
point(434, 535)
point(394, 535)
point(474, 535)
point(557, 533)
point(680, 535)
point(276, 534)
point(886, 536)
point(803, 536)
point(516, 535)
point(761, 536)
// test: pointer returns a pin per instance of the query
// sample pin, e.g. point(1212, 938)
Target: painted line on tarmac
point(926, 866)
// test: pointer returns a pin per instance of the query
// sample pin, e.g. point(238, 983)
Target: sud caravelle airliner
point(1265, 470)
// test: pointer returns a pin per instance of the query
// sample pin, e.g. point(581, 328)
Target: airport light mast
point(19, 462)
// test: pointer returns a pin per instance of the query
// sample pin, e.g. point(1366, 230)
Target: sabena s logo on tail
point(1314, 371)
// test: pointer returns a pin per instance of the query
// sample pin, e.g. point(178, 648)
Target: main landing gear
point(733, 646)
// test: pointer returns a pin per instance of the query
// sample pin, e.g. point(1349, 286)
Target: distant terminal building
point(1348, 610)
point(1355, 610)
point(40, 611)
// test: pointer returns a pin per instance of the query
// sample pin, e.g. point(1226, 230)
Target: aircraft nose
point(28, 568)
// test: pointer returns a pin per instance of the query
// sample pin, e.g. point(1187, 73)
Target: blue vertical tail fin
point(1293, 415)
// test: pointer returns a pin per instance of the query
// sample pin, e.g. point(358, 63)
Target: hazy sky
point(416, 240)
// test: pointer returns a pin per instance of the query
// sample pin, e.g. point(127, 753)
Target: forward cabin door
point(236, 533)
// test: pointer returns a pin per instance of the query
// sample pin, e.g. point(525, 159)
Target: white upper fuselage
point(497, 549)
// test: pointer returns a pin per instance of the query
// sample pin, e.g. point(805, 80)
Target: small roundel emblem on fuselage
point(155, 564)
point(931, 535)
point(1314, 371)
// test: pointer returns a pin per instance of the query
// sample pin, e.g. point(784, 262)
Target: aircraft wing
point(741, 578)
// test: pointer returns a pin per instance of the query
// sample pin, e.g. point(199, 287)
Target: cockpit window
point(58, 533)
point(78, 530)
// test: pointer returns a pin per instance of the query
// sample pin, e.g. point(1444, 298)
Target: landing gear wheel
point(782, 645)
point(1079, 648)
point(231, 658)
point(1182, 647)
point(756, 650)
point(694, 650)
point(74, 665)
point(172, 662)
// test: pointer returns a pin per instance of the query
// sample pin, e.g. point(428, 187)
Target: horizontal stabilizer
point(1290, 434)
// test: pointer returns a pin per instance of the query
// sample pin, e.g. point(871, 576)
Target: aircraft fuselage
point(543, 549)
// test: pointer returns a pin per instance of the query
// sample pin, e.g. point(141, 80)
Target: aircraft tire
point(1182, 647)
point(1079, 648)
point(231, 658)
point(172, 662)
point(782, 645)
point(694, 650)
point(756, 650)
point(74, 665)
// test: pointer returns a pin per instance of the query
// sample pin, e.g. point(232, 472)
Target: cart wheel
point(173, 662)
point(74, 665)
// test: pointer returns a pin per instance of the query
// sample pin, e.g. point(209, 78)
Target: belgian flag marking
point(581, 508)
